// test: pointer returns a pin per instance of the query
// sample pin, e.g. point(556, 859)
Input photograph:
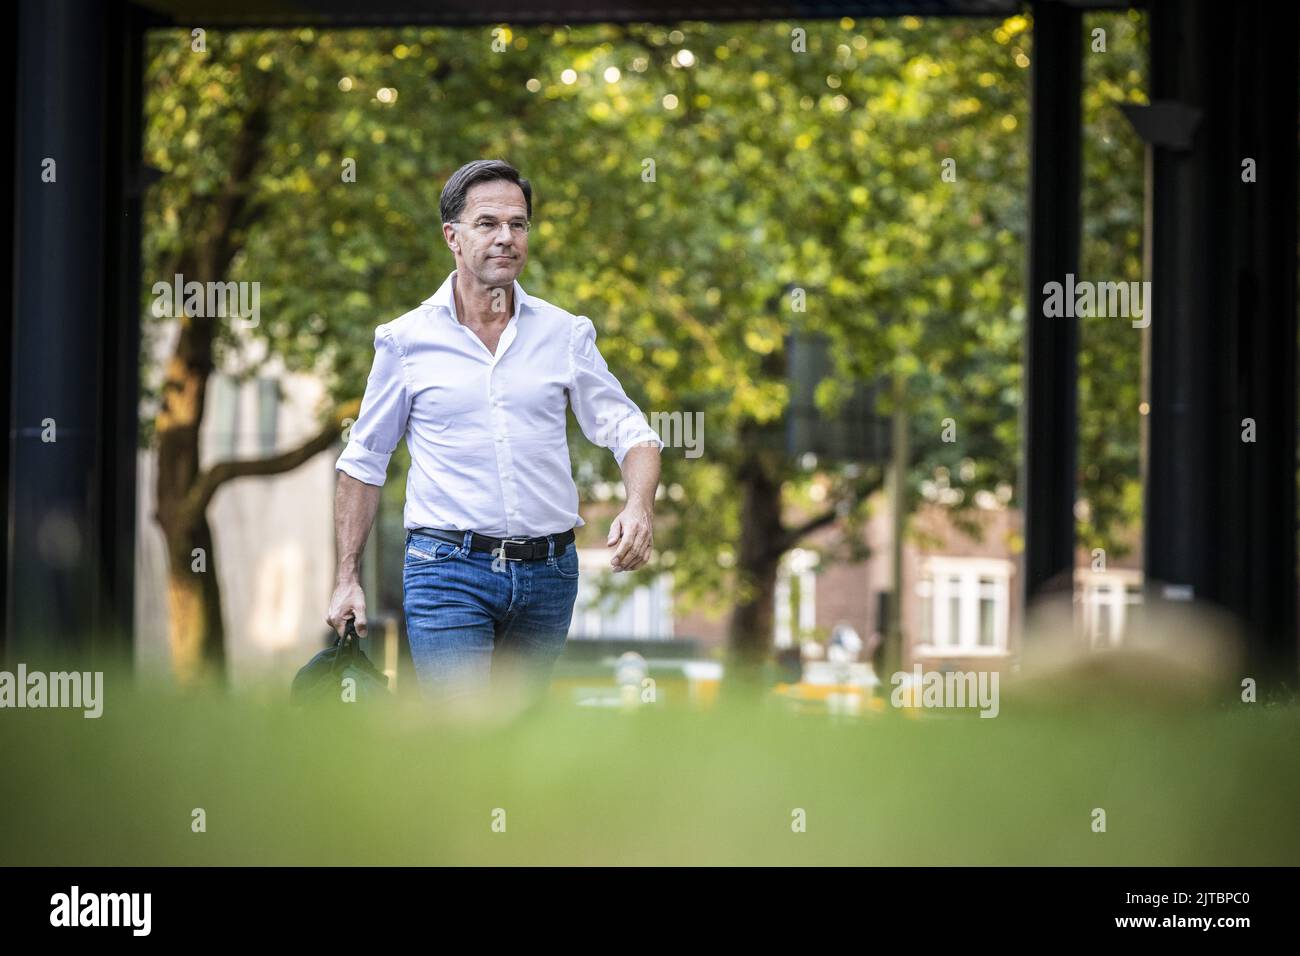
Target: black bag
point(322, 678)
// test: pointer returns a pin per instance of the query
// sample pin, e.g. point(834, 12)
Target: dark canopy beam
point(1220, 511)
point(351, 13)
point(1051, 345)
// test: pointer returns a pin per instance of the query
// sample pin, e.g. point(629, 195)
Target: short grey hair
point(455, 193)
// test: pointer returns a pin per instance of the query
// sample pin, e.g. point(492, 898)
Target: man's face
point(496, 256)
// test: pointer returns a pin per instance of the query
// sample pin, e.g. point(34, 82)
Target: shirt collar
point(445, 300)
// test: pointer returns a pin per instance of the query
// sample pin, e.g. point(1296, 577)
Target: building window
point(988, 598)
point(1102, 601)
point(268, 415)
point(964, 606)
point(231, 405)
point(644, 614)
point(925, 633)
point(222, 418)
point(795, 613)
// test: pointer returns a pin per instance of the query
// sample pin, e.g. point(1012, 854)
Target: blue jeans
point(478, 622)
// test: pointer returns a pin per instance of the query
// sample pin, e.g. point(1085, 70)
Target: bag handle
point(347, 645)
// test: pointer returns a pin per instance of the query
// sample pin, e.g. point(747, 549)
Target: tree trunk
point(193, 591)
point(751, 626)
point(196, 635)
point(218, 227)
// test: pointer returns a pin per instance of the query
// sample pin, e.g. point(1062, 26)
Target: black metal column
point(1221, 512)
point(72, 360)
point(126, 181)
point(9, 58)
point(1051, 350)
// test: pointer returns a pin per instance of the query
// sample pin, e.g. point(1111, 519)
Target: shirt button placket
point(505, 462)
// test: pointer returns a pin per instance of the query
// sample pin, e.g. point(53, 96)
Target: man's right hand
point(348, 602)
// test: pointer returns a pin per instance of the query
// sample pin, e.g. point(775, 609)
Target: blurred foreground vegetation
point(1183, 781)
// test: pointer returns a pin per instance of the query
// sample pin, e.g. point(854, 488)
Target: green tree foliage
point(691, 186)
point(1110, 351)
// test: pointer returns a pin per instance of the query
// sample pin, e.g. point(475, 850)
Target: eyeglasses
point(486, 226)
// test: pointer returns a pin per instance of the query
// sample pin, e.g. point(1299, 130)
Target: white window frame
point(942, 578)
point(594, 563)
point(1115, 589)
point(795, 565)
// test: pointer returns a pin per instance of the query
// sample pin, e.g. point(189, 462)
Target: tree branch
point(229, 207)
point(791, 536)
point(210, 480)
point(860, 490)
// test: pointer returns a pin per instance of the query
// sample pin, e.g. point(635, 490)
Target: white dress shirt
point(487, 432)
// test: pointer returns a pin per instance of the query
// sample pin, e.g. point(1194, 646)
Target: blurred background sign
point(855, 432)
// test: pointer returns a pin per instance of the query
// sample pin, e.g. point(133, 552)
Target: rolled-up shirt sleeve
point(381, 423)
point(606, 415)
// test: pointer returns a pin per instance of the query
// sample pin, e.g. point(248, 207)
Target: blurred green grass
point(1181, 785)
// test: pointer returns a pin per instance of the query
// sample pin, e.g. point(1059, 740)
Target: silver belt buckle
point(515, 540)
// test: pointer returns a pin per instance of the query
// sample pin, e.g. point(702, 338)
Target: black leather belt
point(512, 549)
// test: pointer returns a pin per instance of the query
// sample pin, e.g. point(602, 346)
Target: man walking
point(478, 379)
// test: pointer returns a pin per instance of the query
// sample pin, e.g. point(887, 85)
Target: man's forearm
point(641, 475)
point(355, 505)
point(631, 533)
